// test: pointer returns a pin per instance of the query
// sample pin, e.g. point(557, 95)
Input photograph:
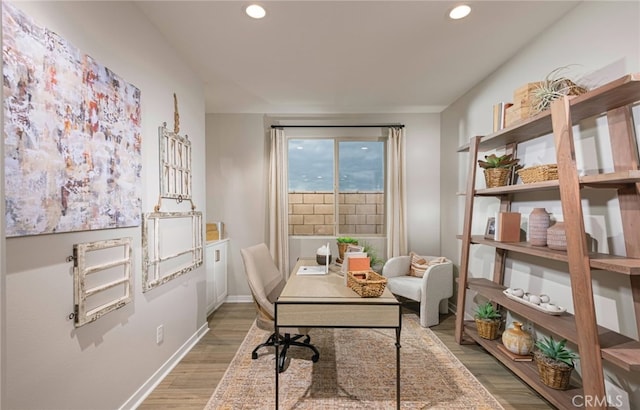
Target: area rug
point(356, 370)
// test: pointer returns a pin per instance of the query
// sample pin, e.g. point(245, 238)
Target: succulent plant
point(556, 350)
point(487, 311)
point(502, 161)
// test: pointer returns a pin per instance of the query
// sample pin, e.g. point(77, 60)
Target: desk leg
point(398, 329)
point(277, 354)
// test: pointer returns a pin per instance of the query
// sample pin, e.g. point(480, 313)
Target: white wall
point(48, 363)
point(3, 293)
point(603, 40)
point(237, 169)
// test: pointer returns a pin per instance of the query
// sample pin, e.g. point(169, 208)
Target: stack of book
point(500, 115)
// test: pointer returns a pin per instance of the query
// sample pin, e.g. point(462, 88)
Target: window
point(323, 170)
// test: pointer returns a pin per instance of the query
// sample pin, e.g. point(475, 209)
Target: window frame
point(336, 182)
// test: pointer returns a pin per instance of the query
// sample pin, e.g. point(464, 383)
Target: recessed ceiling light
point(460, 12)
point(255, 11)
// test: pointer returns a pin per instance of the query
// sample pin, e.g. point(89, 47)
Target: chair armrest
point(396, 266)
point(438, 278)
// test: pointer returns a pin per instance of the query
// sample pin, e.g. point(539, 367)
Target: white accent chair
point(432, 290)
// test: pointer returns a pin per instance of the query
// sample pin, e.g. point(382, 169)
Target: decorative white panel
point(172, 244)
point(101, 278)
point(175, 165)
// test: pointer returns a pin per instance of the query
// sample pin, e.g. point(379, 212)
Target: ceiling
point(345, 56)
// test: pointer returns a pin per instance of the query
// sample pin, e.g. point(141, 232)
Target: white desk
point(325, 301)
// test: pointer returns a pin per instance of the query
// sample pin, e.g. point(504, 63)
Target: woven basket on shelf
point(551, 374)
point(367, 284)
point(539, 173)
point(488, 329)
point(495, 177)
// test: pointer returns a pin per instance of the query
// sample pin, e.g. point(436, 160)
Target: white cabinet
point(216, 267)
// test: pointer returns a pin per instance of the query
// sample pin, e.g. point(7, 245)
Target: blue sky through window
point(311, 165)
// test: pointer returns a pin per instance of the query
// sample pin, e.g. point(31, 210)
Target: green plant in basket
point(556, 351)
point(488, 320)
point(495, 161)
point(554, 362)
point(497, 168)
point(346, 239)
point(487, 311)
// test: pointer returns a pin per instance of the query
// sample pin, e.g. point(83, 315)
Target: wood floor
point(193, 380)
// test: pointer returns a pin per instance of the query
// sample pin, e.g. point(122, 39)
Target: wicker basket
point(367, 284)
point(539, 173)
point(488, 329)
point(495, 177)
point(555, 376)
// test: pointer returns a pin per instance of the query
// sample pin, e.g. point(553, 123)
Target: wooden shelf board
point(520, 131)
point(619, 264)
point(612, 179)
point(618, 93)
point(527, 371)
point(617, 349)
point(512, 189)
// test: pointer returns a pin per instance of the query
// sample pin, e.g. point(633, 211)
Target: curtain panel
point(396, 194)
point(278, 201)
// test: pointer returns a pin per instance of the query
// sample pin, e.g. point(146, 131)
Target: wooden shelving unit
point(595, 343)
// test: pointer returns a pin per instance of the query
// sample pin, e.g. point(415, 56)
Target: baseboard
point(146, 389)
point(239, 299)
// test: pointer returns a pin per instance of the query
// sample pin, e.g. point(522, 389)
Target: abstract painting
point(72, 135)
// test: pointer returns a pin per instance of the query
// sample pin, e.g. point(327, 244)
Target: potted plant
point(487, 320)
point(497, 168)
point(372, 253)
point(555, 362)
point(343, 243)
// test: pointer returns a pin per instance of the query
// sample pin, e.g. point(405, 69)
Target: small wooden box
point(512, 115)
point(523, 103)
point(524, 95)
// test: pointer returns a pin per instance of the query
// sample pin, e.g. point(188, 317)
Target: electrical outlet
point(160, 334)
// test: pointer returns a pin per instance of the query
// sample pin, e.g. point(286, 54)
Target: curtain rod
point(340, 126)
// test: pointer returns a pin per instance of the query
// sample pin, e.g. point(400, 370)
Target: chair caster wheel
point(254, 355)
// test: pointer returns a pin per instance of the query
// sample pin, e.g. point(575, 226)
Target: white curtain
point(396, 194)
point(278, 208)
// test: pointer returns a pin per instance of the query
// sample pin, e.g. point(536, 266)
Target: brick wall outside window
point(312, 213)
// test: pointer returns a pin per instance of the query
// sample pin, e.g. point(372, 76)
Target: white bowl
point(544, 298)
point(535, 299)
point(553, 308)
point(517, 292)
